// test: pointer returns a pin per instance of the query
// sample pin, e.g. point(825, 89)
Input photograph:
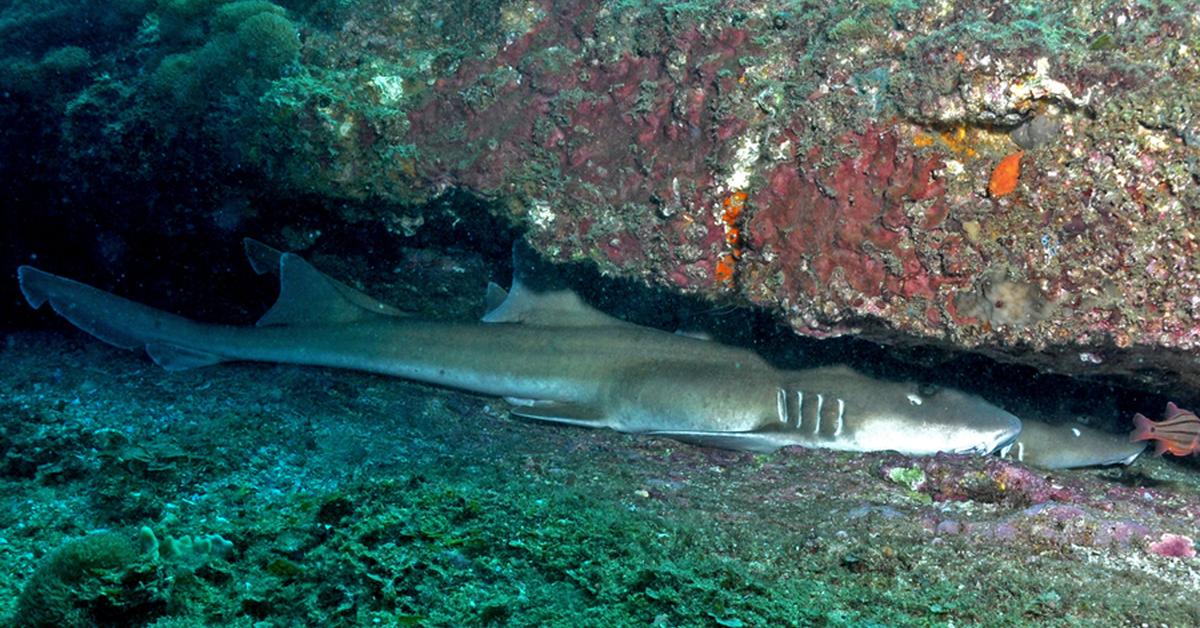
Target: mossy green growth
point(20, 76)
point(229, 16)
point(268, 42)
point(57, 69)
point(68, 60)
point(88, 580)
point(852, 29)
point(188, 8)
point(250, 40)
point(183, 21)
point(912, 478)
point(176, 77)
point(228, 40)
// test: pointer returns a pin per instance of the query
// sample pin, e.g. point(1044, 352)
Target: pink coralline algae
point(955, 478)
point(632, 132)
point(839, 227)
point(1173, 546)
point(1062, 525)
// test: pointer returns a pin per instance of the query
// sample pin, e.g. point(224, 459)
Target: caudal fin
point(168, 339)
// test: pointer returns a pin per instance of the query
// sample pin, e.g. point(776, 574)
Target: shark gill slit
point(781, 405)
point(799, 409)
point(840, 417)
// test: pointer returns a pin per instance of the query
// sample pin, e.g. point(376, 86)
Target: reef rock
point(1021, 184)
point(857, 147)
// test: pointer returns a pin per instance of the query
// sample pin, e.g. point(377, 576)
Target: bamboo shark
point(556, 359)
point(1069, 445)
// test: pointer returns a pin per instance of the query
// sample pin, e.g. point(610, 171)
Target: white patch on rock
point(391, 89)
point(541, 215)
point(743, 163)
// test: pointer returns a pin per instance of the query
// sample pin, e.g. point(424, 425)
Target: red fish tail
point(1143, 429)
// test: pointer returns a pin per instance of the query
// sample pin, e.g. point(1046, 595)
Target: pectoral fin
point(760, 441)
point(569, 413)
point(176, 358)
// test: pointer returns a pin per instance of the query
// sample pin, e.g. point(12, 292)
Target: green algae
point(85, 580)
point(912, 478)
point(214, 49)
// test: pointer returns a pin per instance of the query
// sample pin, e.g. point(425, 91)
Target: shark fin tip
point(569, 413)
point(29, 279)
point(262, 257)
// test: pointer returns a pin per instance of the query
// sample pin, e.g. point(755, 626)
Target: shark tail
point(118, 321)
point(306, 297)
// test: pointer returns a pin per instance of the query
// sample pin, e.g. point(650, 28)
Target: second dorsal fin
point(555, 308)
point(306, 295)
point(551, 307)
point(558, 308)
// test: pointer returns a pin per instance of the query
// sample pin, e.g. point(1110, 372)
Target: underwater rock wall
point(1020, 181)
point(1016, 180)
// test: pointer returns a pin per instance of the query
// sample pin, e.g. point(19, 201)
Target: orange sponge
point(1004, 177)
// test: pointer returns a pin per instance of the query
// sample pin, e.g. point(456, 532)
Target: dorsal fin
point(263, 258)
point(306, 295)
point(494, 297)
point(554, 308)
point(550, 307)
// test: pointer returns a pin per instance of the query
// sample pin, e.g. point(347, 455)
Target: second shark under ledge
point(557, 359)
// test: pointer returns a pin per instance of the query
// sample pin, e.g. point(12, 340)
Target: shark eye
point(928, 390)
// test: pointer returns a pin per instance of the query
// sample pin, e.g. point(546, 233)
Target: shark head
point(920, 420)
point(1069, 445)
point(839, 408)
point(830, 407)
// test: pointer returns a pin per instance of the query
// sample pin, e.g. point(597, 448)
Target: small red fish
point(1178, 433)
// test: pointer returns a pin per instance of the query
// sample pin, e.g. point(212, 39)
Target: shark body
point(557, 359)
point(1069, 445)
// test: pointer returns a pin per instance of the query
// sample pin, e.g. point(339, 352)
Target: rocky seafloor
point(265, 495)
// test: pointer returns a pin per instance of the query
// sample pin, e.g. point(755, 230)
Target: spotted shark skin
point(558, 359)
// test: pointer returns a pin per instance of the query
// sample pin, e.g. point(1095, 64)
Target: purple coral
point(1173, 546)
